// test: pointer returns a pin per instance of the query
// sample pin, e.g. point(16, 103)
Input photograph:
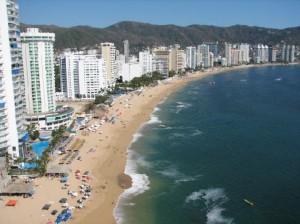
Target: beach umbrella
point(65, 218)
point(54, 212)
point(58, 220)
point(64, 211)
point(63, 200)
point(65, 205)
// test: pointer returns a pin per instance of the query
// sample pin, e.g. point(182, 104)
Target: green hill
point(142, 35)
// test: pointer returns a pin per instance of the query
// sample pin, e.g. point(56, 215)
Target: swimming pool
point(39, 147)
point(28, 165)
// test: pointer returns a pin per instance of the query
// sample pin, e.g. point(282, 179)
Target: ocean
point(212, 144)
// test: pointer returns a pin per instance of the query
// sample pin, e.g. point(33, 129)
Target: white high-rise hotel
point(82, 76)
point(12, 91)
point(145, 61)
point(191, 57)
point(38, 60)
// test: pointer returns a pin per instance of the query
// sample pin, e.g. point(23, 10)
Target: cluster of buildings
point(27, 85)
point(86, 74)
point(27, 79)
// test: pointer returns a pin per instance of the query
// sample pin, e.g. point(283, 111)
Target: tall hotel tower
point(12, 91)
point(109, 56)
point(126, 50)
point(38, 62)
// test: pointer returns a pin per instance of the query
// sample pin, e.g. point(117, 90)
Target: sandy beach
point(106, 162)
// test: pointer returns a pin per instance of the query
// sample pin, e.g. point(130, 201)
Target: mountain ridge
point(143, 35)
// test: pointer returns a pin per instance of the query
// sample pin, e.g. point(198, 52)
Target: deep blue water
point(214, 143)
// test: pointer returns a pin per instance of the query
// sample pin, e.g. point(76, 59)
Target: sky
point(102, 13)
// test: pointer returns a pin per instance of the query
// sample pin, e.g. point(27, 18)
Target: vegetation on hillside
point(142, 35)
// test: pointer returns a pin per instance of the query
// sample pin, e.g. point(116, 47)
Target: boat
point(249, 202)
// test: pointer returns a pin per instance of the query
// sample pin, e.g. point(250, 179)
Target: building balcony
point(3, 133)
point(3, 127)
point(3, 122)
point(3, 139)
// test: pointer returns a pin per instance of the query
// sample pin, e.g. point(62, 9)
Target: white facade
point(69, 77)
point(292, 54)
point(82, 76)
point(191, 57)
point(261, 54)
point(131, 70)
point(109, 55)
point(204, 51)
point(38, 61)
point(146, 62)
point(244, 53)
point(92, 76)
point(272, 54)
point(51, 121)
point(12, 89)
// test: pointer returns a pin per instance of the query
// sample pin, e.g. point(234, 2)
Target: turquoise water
point(28, 165)
point(214, 143)
point(39, 147)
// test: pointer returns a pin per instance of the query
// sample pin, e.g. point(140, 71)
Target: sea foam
point(140, 184)
point(208, 195)
point(179, 177)
point(214, 216)
point(213, 199)
point(136, 136)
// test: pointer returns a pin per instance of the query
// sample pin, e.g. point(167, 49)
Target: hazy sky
point(103, 13)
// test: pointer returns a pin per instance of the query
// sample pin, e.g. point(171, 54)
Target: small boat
point(249, 202)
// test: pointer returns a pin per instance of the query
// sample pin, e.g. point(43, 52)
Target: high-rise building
point(126, 50)
point(109, 56)
point(292, 54)
point(243, 53)
point(283, 49)
point(12, 88)
point(228, 48)
point(160, 60)
point(235, 53)
point(204, 51)
point(191, 57)
point(82, 76)
point(145, 61)
point(213, 48)
point(272, 54)
point(181, 62)
point(288, 53)
point(173, 57)
point(38, 62)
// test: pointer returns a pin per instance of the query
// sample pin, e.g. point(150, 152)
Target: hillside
point(142, 35)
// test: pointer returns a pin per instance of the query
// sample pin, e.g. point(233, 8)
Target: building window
point(14, 148)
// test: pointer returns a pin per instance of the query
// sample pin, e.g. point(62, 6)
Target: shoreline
point(149, 108)
point(108, 162)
